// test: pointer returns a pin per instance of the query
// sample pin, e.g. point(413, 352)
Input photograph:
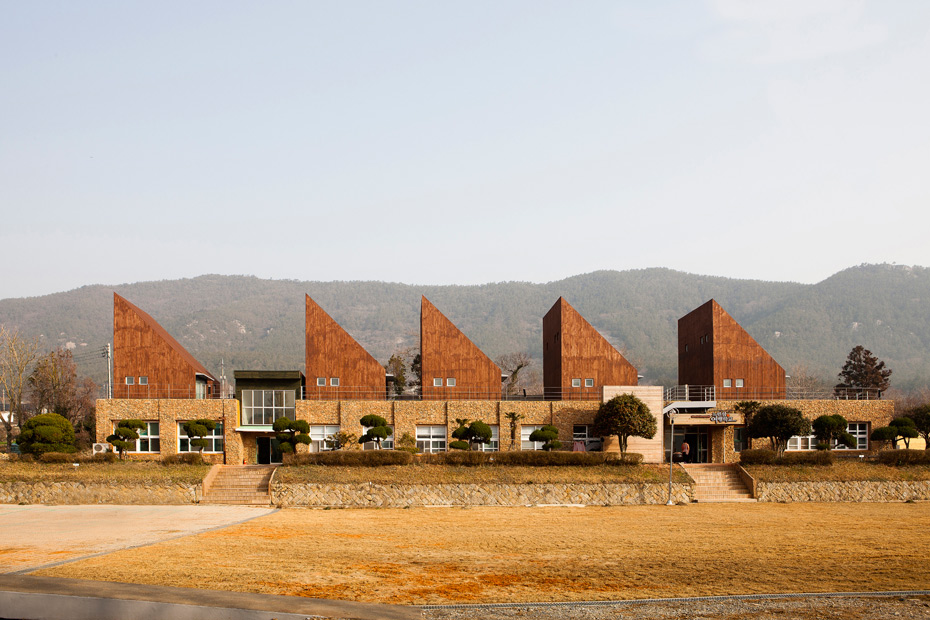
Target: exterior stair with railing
point(247, 485)
point(717, 482)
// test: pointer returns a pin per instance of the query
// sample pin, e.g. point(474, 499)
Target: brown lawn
point(458, 555)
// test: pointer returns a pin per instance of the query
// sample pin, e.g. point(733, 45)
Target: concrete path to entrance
point(35, 536)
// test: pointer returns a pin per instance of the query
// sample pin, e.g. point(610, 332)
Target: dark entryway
point(269, 451)
point(698, 438)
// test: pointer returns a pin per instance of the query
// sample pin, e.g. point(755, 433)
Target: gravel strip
point(811, 608)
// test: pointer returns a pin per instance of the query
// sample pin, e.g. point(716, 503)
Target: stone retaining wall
point(369, 495)
point(98, 493)
point(863, 491)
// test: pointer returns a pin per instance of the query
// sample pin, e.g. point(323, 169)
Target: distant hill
point(252, 323)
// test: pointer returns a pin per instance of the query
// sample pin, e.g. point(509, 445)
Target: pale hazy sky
point(460, 142)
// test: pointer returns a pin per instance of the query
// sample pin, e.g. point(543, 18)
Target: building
point(149, 363)
point(459, 381)
point(337, 365)
point(577, 360)
point(714, 350)
point(451, 366)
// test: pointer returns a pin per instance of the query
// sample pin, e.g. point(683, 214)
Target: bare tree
point(16, 357)
point(55, 388)
point(803, 381)
point(519, 368)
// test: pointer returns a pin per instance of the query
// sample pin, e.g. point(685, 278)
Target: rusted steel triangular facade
point(144, 351)
point(332, 354)
point(713, 349)
point(447, 353)
point(575, 352)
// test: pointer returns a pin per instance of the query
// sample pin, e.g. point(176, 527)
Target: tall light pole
point(671, 448)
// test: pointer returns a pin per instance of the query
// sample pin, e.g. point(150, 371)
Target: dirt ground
point(481, 555)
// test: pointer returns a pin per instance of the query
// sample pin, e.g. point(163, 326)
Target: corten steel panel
point(332, 352)
point(142, 348)
point(729, 353)
point(446, 352)
point(573, 349)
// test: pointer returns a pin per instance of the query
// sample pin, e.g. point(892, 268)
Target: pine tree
point(863, 370)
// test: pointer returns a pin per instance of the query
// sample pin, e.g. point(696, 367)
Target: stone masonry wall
point(863, 491)
point(369, 495)
point(75, 493)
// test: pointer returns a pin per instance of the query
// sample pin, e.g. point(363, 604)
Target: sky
point(460, 142)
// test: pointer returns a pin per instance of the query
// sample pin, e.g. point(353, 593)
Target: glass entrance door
point(698, 438)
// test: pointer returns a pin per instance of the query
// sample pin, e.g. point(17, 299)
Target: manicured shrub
point(625, 416)
point(548, 435)
point(46, 432)
point(824, 457)
point(125, 436)
point(473, 435)
point(198, 430)
point(290, 433)
point(57, 457)
point(628, 458)
point(378, 429)
point(897, 458)
point(778, 423)
point(105, 457)
point(459, 445)
point(757, 457)
point(544, 459)
point(467, 458)
point(407, 443)
point(830, 430)
point(186, 458)
point(351, 458)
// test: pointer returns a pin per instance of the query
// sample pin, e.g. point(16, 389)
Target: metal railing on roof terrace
point(711, 392)
point(154, 390)
point(446, 393)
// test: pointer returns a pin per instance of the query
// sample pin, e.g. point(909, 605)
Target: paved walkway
point(36, 536)
point(48, 598)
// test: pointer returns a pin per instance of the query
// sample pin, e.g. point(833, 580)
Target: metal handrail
point(711, 392)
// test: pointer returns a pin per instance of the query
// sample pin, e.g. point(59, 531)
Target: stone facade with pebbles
point(168, 413)
point(401, 496)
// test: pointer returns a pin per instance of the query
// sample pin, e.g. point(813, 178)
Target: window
point(334, 381)
point(263, 407)
point(525, 432)
point(494, 444)
point(580, 432)
point(386, 444)
point(143, 380)
point(739, 439)
point(727, 383)
point(859, 430)
point(431, 438)
point(739, 383)
point(450, 382)
point(437, 382)
point(576, 382)
point(589, 382)
point(200, 388)
point(148, 440)
point(319, 434)
point(130, 380)
point(321, 381)
point(214, 440)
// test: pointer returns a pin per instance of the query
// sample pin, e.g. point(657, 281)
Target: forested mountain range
point(253, 323)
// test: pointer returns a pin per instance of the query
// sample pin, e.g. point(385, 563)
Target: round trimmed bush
point(47, 432)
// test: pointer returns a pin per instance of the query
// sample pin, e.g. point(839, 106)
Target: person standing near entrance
point(685, 452)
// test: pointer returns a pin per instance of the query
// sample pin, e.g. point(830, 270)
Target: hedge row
point(769, 457)
point(375, 458)
point(904, 457)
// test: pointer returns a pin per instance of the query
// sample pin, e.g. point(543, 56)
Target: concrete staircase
point(239, 484)
point(717, 482)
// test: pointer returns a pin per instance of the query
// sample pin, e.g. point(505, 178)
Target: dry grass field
point(458, 555)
